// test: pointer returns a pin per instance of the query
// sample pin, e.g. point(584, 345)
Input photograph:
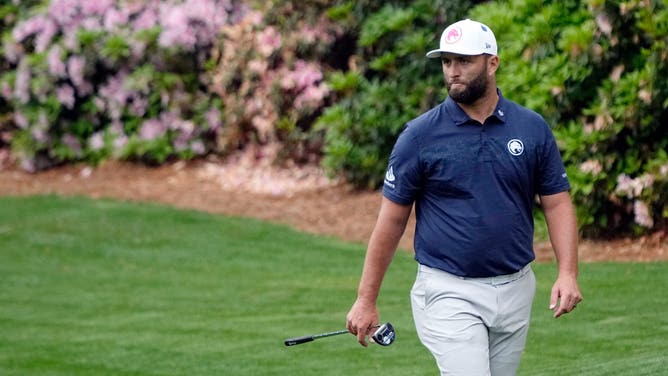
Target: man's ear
point(493, 64)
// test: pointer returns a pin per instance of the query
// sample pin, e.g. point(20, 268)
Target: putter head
point(384, 335)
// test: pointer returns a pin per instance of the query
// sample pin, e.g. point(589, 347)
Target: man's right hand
point(362, 319)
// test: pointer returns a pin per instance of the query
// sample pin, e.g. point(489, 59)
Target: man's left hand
point(565, 295)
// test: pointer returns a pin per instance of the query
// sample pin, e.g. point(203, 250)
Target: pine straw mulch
point(299, 197)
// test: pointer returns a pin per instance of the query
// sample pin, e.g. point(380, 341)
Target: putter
point(384, 336)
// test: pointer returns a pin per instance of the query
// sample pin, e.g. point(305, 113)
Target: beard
point(472, 91)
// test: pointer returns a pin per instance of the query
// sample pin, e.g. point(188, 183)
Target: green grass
point(98, 287)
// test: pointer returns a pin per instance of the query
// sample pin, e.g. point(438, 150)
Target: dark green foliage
point(594, 69)
point(390, 83)
point(8, 18)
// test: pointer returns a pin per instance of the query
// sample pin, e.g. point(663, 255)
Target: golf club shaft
point(312, 337)
point(309, 338)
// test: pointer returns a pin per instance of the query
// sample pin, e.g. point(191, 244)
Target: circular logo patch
point(515, 147)
point(453, 35)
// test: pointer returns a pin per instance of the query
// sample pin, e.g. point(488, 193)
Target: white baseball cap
point(466, 37)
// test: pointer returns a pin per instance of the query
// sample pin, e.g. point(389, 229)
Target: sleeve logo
point(390, 178)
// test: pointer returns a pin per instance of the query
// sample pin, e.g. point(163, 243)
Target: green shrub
point(391, 83)
point(8, 18)
point(596, 70)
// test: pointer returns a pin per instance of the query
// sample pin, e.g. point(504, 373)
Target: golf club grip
point(298, 340)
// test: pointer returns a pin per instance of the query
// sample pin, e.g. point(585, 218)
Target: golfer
point(472, 166)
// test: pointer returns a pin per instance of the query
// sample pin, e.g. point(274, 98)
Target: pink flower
point(30, 27)
point(642, 214)
point(263, 126)
point(97, 7)
point(152, 129)
point(135, 6)
point(306, 74)
point(633, 187)
point(56, 65)
point(139, 105)
point(175, 31)
point(308, 34)
point(302, 76)
point(96, 141)
point(114, 17)
point(12, 51)
point(146, 20)
point(312, 98)
point(116, 128)
point(6, 91)
point(186, 127)
point(120, 139)
point(113, 91)
point(39, 135)
point(22, 83)
point(208, 13)
point(119, 143)
point(258, 66)
point(20, 120)
point(137, 50)
point(181, 143)
point(197, 147)
point(65, 96)
point(269, 40)
point(99, 104)
point(75, 68)
point(91, 24)
point(70, 39)
point(604, 24)
point(213, 117)
point(45, 36)
point(72, 142)
point(254, 17)
point(591, 166)
point(63, 11)
point(28, 165)
point(42, 121)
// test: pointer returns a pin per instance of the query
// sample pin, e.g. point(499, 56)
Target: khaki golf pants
point(473, 326)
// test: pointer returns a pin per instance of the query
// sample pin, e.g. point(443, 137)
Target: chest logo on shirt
point(515, 147)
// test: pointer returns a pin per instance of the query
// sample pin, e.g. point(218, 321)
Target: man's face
point(466, 77)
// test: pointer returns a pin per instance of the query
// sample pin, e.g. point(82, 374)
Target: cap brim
point(433, 54)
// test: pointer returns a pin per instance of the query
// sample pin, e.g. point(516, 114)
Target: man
point(472, 167)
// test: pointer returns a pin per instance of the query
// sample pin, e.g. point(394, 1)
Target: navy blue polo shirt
point(474, 185)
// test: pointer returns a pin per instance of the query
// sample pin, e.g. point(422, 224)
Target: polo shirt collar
point(460, 117)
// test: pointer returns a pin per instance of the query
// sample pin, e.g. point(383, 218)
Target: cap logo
point(453, 35)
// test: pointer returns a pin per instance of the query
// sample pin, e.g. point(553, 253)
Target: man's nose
point(452, 71)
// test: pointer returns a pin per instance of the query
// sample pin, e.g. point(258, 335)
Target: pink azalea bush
point(114, 78)
point(271, 77)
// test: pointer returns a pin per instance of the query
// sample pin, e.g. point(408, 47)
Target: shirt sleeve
point(552, 173)
point(403, 177)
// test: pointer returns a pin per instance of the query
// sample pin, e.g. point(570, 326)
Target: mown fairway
point(98, 287)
